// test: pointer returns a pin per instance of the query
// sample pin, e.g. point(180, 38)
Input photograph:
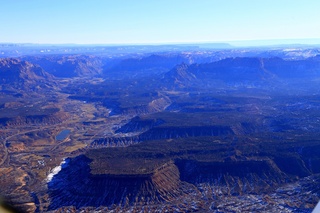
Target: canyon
point(161, 129)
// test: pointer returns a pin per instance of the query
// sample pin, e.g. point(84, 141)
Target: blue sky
point(156, 21)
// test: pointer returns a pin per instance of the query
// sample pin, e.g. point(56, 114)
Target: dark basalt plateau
point(159, 172)
point(76, 186)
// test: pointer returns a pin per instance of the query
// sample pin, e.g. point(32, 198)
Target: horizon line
point(254, 42)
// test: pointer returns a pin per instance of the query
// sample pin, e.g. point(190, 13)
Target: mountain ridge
point(19, 74)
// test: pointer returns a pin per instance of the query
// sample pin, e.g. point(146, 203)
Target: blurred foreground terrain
point(176, 128)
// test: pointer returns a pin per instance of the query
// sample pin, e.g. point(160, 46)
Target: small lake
point(63, 135)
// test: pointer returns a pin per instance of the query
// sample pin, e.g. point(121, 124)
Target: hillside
point(245, 71)
point(68, 66)
point(17, 74)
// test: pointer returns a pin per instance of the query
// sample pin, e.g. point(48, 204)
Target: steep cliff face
point(168, 186)
point(75, 186)
point(160, 133)
point(182, 132)
point(115, 141)
point(233, 177)
point(168, 174)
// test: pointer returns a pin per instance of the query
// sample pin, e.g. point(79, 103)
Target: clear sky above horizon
point(156, 21)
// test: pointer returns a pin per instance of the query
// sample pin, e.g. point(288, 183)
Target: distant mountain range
point(175, 70)
point(245, 70)
point(68, 66)
point(17, 50)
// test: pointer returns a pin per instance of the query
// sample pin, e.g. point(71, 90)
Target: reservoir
point(63, 135)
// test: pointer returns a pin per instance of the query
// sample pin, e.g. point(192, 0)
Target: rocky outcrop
point(233, 177)
point(159, 133)
point(115, 141)
point(172, 182)
point(166, 174)
point(184, 131)
point(75, 186)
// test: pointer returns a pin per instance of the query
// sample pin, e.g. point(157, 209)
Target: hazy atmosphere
point(160, 106)
point(166, 21)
